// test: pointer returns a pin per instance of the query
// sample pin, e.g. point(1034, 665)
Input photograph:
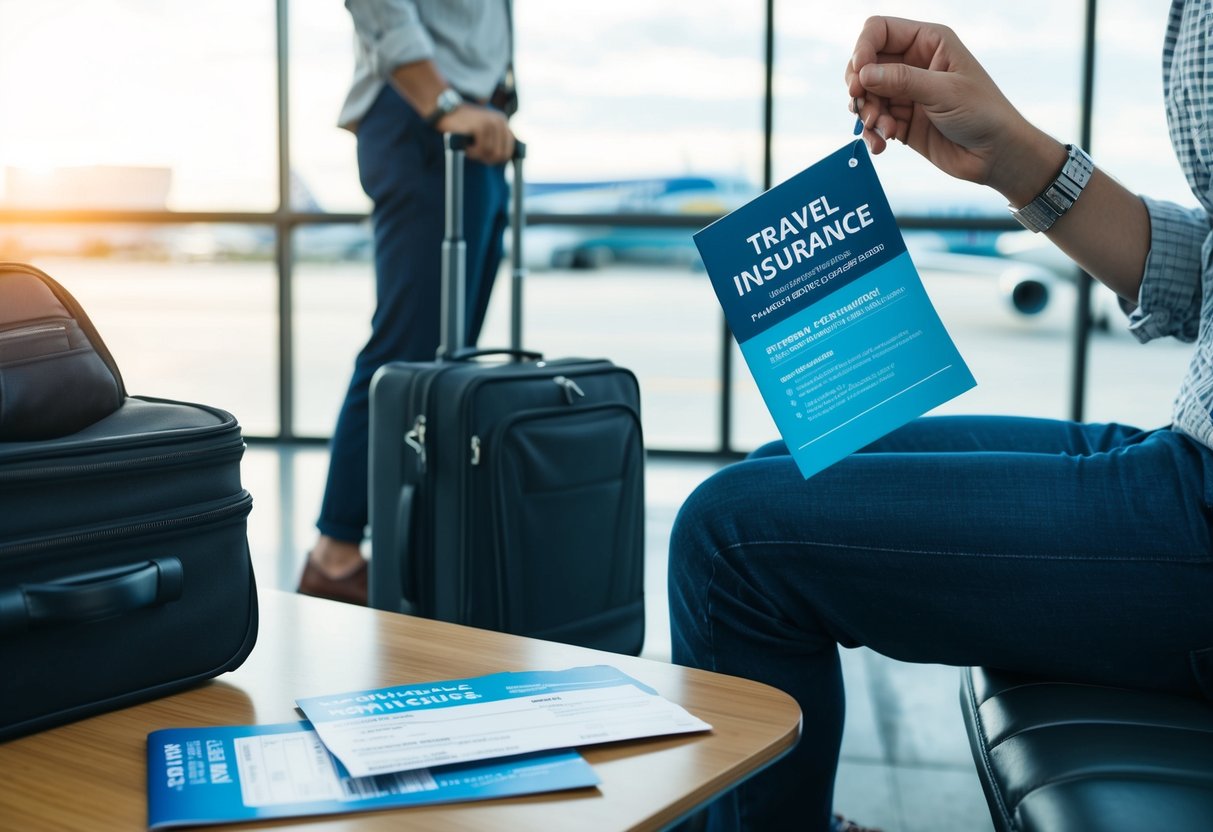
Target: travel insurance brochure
point(415, 726)
point(829, 312)
point(228, 774)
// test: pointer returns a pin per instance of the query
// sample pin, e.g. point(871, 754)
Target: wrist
point(443, 122)
point(1027, 169)
point(447, 102)
point(1059, 196)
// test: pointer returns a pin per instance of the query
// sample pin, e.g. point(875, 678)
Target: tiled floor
point(905, 759)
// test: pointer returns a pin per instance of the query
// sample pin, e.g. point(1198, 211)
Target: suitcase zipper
point(243, 502)
point(157, 460)
point(571, 390)
point(415, 439)
point(26, 331)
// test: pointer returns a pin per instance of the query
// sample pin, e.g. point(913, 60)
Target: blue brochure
point(227, 774)
point(829, 312)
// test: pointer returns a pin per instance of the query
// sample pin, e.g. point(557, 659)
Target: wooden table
point(90, 775)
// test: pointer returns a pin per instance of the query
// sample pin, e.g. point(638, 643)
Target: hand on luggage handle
point(90, 596)
point(462, 141)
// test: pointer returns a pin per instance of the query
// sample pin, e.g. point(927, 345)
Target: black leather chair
point(1055, 757)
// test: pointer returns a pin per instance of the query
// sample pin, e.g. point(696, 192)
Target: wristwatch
point(1053, 202)
point(447, 101)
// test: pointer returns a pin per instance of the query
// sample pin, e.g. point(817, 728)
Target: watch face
point(448, 100)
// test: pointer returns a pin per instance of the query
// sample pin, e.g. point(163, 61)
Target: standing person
point(1075, 551)
point(423, 68)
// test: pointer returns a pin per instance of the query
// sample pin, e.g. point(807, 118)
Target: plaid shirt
point(1177, 286)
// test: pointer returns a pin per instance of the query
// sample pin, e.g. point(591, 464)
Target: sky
point(629, 88)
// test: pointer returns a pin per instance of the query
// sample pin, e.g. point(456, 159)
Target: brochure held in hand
point(829, 311)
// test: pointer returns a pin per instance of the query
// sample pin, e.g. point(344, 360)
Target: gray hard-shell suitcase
point(507, 494)
point(124, 564)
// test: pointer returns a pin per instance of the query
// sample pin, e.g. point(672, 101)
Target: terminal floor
point(905, 764)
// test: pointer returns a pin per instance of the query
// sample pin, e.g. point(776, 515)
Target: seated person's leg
point(1090, 562)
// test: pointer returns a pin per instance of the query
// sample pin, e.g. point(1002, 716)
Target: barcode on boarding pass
point(382, 785)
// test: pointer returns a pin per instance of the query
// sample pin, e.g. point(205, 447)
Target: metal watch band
point(1053, 202)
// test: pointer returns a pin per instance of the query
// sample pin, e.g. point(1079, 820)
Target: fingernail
point(874, 74)
point(880, 132)
point(853, 56)
point(857, 104)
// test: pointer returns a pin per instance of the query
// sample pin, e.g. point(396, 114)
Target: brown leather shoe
point(351, 589)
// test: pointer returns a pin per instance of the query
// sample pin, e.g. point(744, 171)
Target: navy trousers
point(1077, 551)
point(401, 167)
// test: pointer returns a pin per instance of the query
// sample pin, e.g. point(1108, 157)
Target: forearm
point(917, 83)
point(1106, 231)
point(419, 82)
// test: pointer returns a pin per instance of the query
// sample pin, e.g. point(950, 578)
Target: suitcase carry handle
point(90, 596)
point(468, 353)
point(453, 316)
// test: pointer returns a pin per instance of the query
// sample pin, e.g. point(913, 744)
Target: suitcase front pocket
point(52, 381)
point(33, 342)
point(568, 525)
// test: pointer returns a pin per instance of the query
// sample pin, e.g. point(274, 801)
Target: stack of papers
point(461, 739)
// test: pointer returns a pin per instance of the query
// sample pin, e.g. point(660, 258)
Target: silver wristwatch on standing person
point(1040, 214)
point(447, 101)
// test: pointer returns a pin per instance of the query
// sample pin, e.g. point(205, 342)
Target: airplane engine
point(1027, 288)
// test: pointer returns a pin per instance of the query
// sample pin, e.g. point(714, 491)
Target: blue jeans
point(401, 166)
point(1076, 551)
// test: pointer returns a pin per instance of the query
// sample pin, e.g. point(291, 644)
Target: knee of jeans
point(703, 525)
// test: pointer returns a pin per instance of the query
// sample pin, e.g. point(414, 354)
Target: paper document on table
point(437, 723)
point(233, 773)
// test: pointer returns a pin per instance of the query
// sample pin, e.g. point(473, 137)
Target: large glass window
point(635, 108)
point(334, 296)
point(639, 89)
point(138, 105)
point(1129, 382)
point(1010, 316)
point(647, 116)
point(324, 171)
point(188, 311)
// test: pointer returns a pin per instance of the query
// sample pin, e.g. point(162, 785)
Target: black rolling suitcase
point(124, 565)
point(507, 494)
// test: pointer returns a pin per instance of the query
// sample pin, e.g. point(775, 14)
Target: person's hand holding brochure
point(829, 312)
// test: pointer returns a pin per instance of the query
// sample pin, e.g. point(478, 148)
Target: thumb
point(901, 81)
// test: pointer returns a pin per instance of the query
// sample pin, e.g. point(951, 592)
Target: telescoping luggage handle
point(453, 343)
